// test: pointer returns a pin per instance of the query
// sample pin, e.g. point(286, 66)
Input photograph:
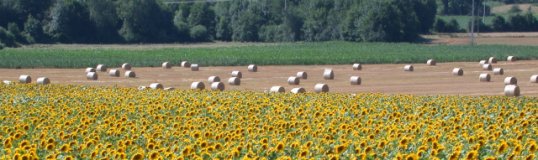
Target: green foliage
point(33, 30)
point(318, 53)
point(7, 38)
point(500, 24)
point(143, 21)
point(104, 17)
point(199, 33)
point(70, 22)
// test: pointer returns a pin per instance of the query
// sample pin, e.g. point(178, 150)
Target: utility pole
point(472, 25)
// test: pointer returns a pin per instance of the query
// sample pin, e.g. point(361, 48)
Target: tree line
point(159, 21)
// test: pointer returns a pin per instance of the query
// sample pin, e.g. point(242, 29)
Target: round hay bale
point(91, 76)
point(512, 91)
point(25, 79)
point(212, 79)
point(195, 67)
point(114, 73)
point(431, 62)
point(321, 88)
point(487, 67)
point(198, 85)
point(293, 81)
point(510, 80)
point(298, 90)
point(498, 71)
point(89, 69)
point(217, 86)
point(302, 75)
point(511, 59)
point(492, 60)
point(328, 74)
point(484, 77)
point(409, 68)
point(169, 88)
point(6, 82)
point(167, 65)
point(457, 72)
point(156, 86)
point(355, 80)
point(126, 66)
point(357, 67)
point(237, 74)
point(130, 74)
point(43, 80)
point(101, 68)
point(534, 79)
point(482, 62)
point(234, 81)
point(141, 88)
point(185, 64)
point(252, 68)
point(277, 89)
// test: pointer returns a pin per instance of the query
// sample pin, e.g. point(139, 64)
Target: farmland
point(318, 53)
point(64, 121)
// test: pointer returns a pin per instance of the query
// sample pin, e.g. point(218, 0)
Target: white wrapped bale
point(484, 77)
point(252, 68)
point(511, 59)
point(43, 80)
point(130, 74)
point(198, 85)
point(126, 66)
point(234, 81)
point(298, 90)
point(409, 68)
point(6, 82)
point(355, 80)
point(212, 79)
point(431, 62)
point(302, 75)
point(512, 91)
point(195, 67)
point(237, 74)
point(156, 86)
point(277, 89)
point(457, 72)
point(89, 69)
point(328, 74)
point(510, 81)
point(482, 62)
point(141, 88)
point(114, 73)
point(357, 67)
point(185, 64)
point(487, 67)
point(534, 79)
point(217, 86)
point(25, 79)
point(167, 65)
point(293, 81)
point(498, 71)
point(91, 76)
point(101, 68)
point(321, 88)
point(492, 60)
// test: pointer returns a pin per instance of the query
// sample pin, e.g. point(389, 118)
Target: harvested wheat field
point(385, 78)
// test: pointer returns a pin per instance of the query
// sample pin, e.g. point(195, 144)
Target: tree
point(425, 11)
point(499, 24)
point(104, 17)
point(70, 22)
point(143, 21)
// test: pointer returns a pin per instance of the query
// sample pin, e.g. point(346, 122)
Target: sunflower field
point(81, 122)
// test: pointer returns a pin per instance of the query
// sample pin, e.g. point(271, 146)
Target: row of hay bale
point(91, 73)
point(511, 88)
point(318, 88)
point(26, 79)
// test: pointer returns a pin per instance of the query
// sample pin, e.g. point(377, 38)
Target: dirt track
point(388, 78)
